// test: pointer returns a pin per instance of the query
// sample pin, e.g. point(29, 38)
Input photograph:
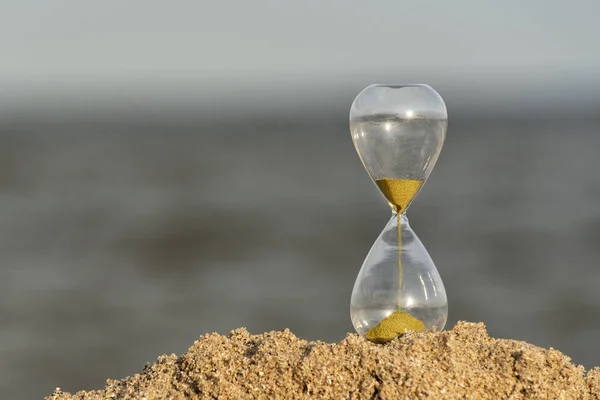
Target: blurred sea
point(122, 240)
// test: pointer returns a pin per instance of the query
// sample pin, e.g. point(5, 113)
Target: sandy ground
point(461, 363)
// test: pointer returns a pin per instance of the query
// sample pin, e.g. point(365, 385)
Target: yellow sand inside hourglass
point(399, 193)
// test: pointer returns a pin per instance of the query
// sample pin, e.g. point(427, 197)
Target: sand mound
point(456, 364)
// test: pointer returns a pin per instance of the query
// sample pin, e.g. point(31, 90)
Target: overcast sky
point(233, 38)
point(523, 53)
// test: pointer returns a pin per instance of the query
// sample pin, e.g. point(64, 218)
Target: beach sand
point(460, 363)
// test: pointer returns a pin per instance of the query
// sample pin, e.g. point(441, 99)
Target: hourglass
point(398, 132)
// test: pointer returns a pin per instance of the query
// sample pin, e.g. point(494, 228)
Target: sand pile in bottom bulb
point(461, 363)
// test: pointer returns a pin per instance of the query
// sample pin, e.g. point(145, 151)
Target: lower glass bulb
point(398, 288)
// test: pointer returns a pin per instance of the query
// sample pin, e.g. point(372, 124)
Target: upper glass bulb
point(398, 132)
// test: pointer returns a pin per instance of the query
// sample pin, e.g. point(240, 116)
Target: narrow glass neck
point(395, 210)
point(403, 218)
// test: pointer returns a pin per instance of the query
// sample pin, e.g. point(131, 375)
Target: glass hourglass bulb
point(398, 132)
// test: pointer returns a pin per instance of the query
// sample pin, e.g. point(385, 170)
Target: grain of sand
point(462, 363)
